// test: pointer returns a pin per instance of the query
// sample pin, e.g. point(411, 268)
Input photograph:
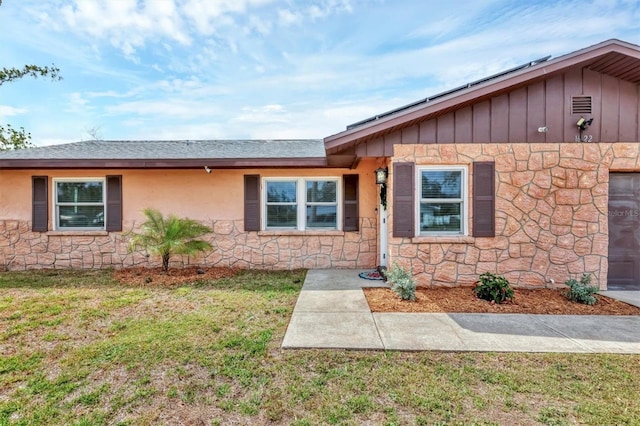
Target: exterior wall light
point(583, 123)
point(381, 175)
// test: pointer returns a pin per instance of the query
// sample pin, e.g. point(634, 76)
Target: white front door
point(382, 232)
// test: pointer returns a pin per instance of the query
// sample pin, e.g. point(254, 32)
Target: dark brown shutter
point(350, 206)
point(484, 222)
point(40, 203)
point(403, 200)
point(251, 202)
point(114, 203)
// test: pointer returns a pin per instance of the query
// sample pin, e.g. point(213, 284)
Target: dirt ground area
point(139, 276)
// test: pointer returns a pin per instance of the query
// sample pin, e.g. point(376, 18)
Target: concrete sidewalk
point(332, 312)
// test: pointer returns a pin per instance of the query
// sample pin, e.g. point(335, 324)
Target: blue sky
point(262, 69)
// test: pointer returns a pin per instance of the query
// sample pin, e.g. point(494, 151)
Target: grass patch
point(79, 348)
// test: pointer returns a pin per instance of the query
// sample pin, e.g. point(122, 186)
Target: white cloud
point(169, 108)
point(77, 103)
point(206, 14)
point(259, 25)
point(9, 111)
point(328, 7)
point(313, 12)
point(286, 17)
point(263, 115)
point(126, 24)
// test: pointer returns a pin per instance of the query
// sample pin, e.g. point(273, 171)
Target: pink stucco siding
point(215, 199)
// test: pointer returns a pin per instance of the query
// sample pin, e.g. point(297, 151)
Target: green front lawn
point(79, 348)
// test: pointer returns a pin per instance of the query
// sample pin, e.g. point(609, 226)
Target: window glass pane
point(440, 217)
point(79, 192)
point(321, 191)
point(282, 217)
point(81, 216)
point(281, 192)
point(321, 216)
point(441, 184)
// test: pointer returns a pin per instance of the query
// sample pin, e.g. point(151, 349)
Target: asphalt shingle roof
point(172, 150)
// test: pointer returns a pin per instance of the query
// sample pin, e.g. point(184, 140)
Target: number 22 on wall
point(584, 138)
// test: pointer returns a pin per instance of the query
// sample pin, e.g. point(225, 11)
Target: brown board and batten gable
point(600, 82)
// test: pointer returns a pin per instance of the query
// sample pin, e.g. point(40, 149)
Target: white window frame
point(302, 203)
point(56, 204)
point(464, 208)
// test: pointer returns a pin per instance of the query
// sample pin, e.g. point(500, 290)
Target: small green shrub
point(581, 291)
point(402, 282)
point(494, 288)
point(166, 236)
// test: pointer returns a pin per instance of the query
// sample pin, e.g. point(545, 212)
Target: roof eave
point(232, 163)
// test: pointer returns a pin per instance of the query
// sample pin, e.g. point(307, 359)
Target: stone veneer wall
point(551, 214)
point(22, 249)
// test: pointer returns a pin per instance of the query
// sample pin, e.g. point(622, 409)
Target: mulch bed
point(463, 300)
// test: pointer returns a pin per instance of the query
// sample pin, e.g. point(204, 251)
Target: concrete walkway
point(332, 312)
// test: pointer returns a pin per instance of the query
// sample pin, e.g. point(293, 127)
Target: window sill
point(440, 239)
point(285, 232)
point(74, 232)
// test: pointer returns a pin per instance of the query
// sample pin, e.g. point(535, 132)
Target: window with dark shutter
point(251, 202)
point(114, 203)
point(403, 200)
point(40, 203)
point(484, 222)
point(350, 210)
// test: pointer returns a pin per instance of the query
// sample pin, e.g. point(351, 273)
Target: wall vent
point(581, 105)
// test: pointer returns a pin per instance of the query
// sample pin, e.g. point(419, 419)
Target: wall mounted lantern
point(381, 175)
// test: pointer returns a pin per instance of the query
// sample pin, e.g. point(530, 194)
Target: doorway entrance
point(624, 231)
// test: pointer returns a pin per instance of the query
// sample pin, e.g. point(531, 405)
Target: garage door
point(624, 231)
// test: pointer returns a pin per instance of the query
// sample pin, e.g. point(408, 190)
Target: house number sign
point(584, 138)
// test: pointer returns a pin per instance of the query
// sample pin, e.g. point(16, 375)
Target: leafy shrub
point(402, 282)
point(581, 291)
point(170, 235)
point(494, 288)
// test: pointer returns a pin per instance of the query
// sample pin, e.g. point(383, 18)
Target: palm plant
point(166, 236)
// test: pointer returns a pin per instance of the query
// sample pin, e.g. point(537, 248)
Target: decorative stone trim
point(22, 249)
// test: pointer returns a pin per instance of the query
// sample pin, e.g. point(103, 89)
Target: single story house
point(533, 173)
